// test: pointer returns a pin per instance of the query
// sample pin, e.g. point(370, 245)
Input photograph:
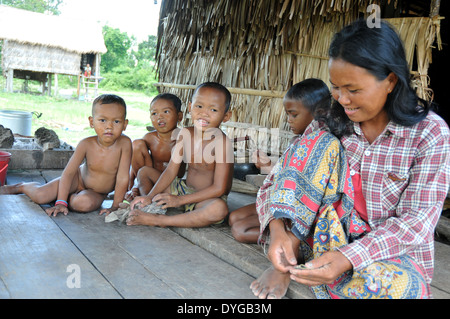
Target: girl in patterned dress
point(307, 202)
point(302, 102)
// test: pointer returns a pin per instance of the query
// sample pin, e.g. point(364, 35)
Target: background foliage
point(127, 65)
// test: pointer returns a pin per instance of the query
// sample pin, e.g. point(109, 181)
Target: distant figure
point(210, 158)
point(83, 187)
point(151, 154)
point(87, 71)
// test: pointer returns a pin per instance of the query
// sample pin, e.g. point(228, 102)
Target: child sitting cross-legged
point(210, 159)
point(151, 154)
point(83, 186)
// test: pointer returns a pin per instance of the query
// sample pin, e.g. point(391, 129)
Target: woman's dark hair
point(314, 95)
point(380, 51)
point(109, 99)
point(169, 97)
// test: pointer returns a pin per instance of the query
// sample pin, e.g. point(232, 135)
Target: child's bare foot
point(138, 217)
point(11, 189)
point(272, 284)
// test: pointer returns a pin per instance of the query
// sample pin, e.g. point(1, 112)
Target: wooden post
point(56, 84)
point(49, 87)
point(9, 80)
point(97, 73)
point(78, 86)
point(434, 8)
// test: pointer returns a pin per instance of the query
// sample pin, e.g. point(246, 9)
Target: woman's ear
point(392, 81)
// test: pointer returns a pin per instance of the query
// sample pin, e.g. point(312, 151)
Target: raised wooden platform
point(81, 256)
point(41, 256)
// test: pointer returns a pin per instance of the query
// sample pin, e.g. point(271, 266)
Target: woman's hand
point(322, 270)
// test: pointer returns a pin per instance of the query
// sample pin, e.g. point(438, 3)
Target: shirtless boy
point(209, 155)
point(83, 187)
point(151, 154)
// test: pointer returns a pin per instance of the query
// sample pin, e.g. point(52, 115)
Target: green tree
point(146, 50)
point(40, 6)
point(118, 45)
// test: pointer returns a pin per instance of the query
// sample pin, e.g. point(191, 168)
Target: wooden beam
point(264, 93)
point(434, 8)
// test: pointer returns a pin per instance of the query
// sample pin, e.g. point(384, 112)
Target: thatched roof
point(265, 46)
point(53, 31)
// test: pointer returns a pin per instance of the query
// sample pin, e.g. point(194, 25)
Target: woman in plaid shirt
point(401, 150)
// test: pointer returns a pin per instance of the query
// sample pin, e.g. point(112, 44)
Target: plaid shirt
point(405, 176)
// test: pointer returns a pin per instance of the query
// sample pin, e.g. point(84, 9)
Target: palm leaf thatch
point(33, 28)
point(260, 48)
point(44, 43)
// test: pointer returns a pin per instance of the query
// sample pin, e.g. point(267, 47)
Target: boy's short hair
point(170, 97)
point(109, 99)
point(217, 86)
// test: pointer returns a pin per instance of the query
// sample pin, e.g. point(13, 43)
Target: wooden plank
point(128, 275)
point(441, 278)
point(183, 269)
point(242, 256)
point(237, 200)
point(23, 176)
point(4, 293)
point(51, 174)
point(37, 260)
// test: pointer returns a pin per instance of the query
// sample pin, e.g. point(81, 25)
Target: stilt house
point(37, 45)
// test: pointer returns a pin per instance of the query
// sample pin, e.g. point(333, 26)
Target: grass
point(68, 116)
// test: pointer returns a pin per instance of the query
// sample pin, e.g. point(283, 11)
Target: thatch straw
point(33, 28)
point(267, 46)
point(20, 56)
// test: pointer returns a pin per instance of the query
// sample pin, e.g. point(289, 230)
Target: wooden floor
point(81, 256)
point(41, 257)
point(46, 257)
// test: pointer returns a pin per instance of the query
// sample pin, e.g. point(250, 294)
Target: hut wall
point(39, 58)
point(266, 46)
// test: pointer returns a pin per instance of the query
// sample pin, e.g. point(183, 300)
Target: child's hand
point(166, 200)
point(108, 211)
point(57, 209)
point(262, 161)
point(131, 194)
point(280, 252)
point(142, 200)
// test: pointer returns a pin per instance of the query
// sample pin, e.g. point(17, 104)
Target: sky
point(135, 17)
